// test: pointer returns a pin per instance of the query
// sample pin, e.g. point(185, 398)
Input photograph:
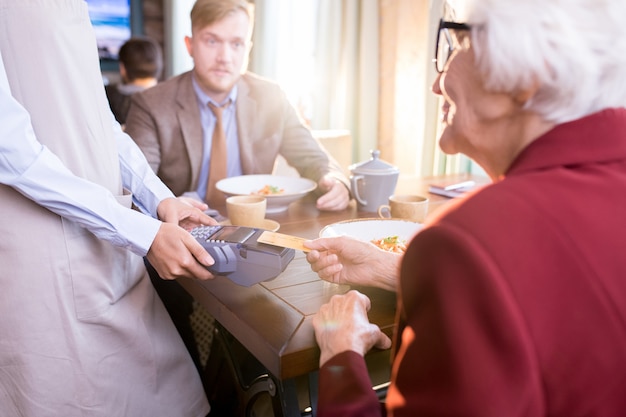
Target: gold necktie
point(217, 168)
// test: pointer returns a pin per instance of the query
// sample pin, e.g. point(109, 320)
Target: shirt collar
point(203, 98)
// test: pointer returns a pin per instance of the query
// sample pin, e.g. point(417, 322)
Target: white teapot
point(373, 182)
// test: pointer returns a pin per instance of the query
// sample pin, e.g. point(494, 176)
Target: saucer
point(266, 224)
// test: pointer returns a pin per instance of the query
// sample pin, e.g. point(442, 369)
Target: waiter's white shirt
point(30, 168)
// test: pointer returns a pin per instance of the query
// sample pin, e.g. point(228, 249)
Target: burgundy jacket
point(513, 301)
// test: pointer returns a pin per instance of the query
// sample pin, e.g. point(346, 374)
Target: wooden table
point(273, 319)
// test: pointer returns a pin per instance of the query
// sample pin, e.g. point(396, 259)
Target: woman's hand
point(342, 325)
point(346, 260)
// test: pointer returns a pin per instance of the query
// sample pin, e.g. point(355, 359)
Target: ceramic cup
point(408, 207)
point(246, 210)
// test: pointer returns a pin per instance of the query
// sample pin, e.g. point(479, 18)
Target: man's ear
point(188, 45)
point(123, 73)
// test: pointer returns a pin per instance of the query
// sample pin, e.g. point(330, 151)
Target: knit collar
point(595, 138)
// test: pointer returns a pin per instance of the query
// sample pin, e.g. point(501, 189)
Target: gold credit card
point(282, 240)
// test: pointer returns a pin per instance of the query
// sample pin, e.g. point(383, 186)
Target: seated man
point(173, 123)
point(141, 63)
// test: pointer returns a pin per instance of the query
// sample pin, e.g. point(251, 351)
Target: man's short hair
point(142, 58)
point(207, 12)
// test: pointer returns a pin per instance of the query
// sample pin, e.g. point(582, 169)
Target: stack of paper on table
point(452, 188)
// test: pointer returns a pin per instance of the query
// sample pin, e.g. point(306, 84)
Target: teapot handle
point(354, 179)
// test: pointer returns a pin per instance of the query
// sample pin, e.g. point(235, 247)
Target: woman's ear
point(524, 95)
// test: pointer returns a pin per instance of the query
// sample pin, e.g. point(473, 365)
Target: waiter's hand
point(200, 205)
point(185, 212)
point(174, 252)
point(342, 325)
point(336, 195)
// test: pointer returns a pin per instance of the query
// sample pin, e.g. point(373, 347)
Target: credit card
point(283, 240)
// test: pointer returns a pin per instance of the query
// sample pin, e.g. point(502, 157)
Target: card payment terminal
point(239, 257)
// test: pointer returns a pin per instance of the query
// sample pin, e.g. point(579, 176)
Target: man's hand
point(346, 260)
point(336, 195)
point(342, 325)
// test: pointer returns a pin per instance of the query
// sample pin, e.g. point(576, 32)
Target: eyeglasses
point(447, 43)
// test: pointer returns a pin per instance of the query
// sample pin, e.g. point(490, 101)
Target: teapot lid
point(373, 166)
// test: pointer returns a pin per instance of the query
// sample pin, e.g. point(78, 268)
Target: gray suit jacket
point(165, 122)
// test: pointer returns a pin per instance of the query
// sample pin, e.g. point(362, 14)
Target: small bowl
point(293, 189)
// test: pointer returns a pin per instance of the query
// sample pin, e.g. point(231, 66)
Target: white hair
point(574, 50)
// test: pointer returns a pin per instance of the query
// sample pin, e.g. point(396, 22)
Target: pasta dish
point(391, 244)
point(270, 190)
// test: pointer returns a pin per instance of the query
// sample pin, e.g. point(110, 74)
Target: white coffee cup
point(408, 207)
point(246, 210)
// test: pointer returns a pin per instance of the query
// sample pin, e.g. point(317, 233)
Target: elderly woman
point(513, 301)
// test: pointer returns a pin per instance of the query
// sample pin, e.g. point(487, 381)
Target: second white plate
point(370, 229)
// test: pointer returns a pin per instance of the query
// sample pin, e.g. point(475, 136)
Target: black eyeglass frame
point(445, 24)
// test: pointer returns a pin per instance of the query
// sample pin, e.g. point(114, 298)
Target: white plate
point(295, 188)
point(370, 229)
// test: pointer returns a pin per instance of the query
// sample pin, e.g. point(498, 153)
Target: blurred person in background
point(512, 301)
point(141, 64)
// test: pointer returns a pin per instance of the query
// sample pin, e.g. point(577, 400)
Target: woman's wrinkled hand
point(346, 260)
point(342, 324)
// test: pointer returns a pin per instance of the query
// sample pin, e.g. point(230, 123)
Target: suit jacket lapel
point(246, 120)
point(191, 128)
